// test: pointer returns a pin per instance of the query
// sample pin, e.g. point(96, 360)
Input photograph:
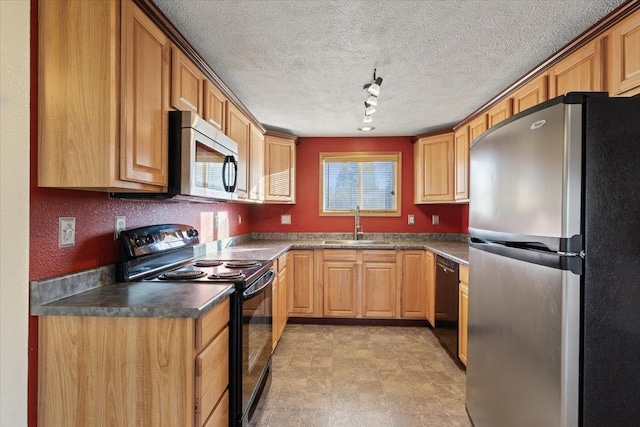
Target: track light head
point(372, 100)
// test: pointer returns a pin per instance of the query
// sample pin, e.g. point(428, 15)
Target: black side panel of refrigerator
point(611, 316)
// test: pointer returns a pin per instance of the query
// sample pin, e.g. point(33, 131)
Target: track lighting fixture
point(372, 101)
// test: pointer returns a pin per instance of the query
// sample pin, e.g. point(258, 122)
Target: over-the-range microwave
point(203, 162)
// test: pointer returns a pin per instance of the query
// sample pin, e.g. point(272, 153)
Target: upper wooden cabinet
point(531, 94)
point(583, 70)
point(477, 126)
point(239, 129)
point(279, 169)
point(499, 112)
point(256, 164)
point(433, 169)
point(103, 71)
point(461, 139)
point(214, 107)
point(623, 57)
point(187, 82)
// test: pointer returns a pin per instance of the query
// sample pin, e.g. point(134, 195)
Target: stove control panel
point(156, 239)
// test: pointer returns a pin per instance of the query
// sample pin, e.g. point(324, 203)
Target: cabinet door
point(580, 71)
point(340, 289)
point(214, 106)
point(379, 289)
point(275, 313)
point(302, 292)
point(239, 129)
point(212, 375)
point(477, 126)
point(413, 289)
point(499, 112)
point(463, 321)
point(256, 162)
point(145, 98)
point(462, 163)
point(430, 288)
point(283, 307)
point(624, 58)
point(279, 169)
point(531, 94)
point(186, 83)
point(433, 157)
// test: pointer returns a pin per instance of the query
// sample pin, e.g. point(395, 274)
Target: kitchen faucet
point(357, 224)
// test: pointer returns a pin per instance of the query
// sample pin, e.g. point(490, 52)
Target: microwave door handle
point(229, 160)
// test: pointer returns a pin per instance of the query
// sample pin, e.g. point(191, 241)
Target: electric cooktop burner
point(207, 263)
point(227, 275)
point(242, 264)
point(182, 275)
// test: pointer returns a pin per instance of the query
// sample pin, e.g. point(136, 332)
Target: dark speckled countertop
point(96, 293)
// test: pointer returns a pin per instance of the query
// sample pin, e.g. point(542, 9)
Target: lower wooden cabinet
point(124, 371)
point(303, 292)
point(280, 307)
point(362, 283)
point(379, 284)
point(463, 313)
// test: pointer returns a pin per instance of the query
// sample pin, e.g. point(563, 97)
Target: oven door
point(256, 341)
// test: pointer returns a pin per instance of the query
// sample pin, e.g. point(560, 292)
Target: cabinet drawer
point(282, 262)
point(339, 255)
point(211, 324)
point(378, 256)
point(463, 273)
point(220, 415)
point(212, 375)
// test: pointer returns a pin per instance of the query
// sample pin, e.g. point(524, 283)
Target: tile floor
point(376, 376)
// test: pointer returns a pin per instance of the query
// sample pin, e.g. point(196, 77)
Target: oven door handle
point(253, 291)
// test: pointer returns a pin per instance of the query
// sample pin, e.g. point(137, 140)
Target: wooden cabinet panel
point(279, 169)
point(433, 157)
point(531, 94)
point(624, 57)
point(379, 289)
point(461, 139)
point(187, 82)
point(302, 289)
point(115, 371)
point(339, 287)
point(279, 300)
point(463, 321)
point(211, 324)
point(580, 71)
point(220, 415)
point(239, 129)
point(413, 289)
point(214, 106)
point(212, 375)
point(256, 164)
point(430, 287)
point(145, 99)
point(499, 112)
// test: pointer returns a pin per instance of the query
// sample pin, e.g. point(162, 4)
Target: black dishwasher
point(446, 327)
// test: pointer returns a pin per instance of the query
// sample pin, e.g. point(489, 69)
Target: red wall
point(305, 213)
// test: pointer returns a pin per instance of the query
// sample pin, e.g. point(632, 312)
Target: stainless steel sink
point(355, 242)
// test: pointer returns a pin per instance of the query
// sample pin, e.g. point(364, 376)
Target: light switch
point(435, 219)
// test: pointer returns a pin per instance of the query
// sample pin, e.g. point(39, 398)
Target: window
point(368, 180)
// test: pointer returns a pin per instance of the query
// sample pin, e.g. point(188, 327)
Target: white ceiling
point(299, 65)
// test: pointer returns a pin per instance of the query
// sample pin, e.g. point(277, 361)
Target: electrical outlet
point(435, 219)
point(411, 219)
point(66, 231)
point(285, 219)
point(239, 219)
point(120, 225)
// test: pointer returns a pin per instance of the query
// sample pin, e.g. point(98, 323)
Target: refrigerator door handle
point(532, 252)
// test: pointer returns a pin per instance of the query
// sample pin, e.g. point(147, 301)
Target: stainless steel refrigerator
point(554, 260)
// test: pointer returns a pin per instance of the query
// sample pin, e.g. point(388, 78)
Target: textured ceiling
point(299, 66)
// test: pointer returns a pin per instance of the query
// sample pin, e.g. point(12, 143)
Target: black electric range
point(166, 252)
